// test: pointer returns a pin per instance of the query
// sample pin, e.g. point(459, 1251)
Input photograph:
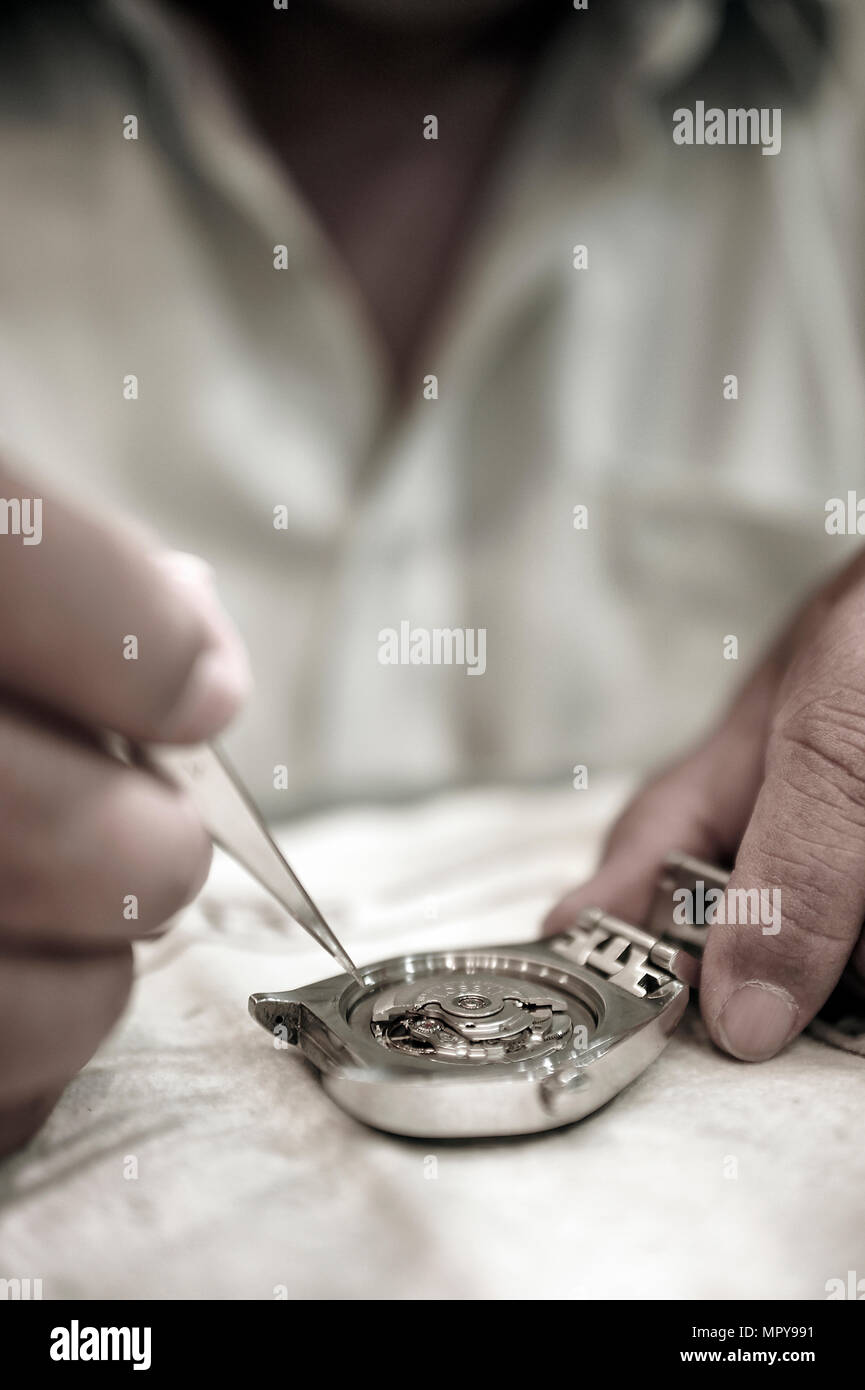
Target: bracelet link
point(642, 960)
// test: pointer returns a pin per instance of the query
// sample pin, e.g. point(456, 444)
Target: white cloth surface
point(251, 1180)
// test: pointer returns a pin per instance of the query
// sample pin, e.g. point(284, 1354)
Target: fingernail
point(220, 680)
point(217, 686)
point(756, 1021)
point(183, 565)
point(192, 579)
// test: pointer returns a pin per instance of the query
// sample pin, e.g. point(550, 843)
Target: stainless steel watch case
point(501, 1040)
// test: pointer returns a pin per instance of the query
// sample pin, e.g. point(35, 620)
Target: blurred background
point(271, 295)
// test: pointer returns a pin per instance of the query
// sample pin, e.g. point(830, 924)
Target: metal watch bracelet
point(642, 959)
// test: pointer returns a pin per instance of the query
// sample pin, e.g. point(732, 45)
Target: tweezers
point(233, 821)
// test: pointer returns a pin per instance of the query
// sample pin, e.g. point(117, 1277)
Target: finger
point(19, 1123)
point(655, 823)
point(54, 1012)
point(95, 627)
point(92, 850)
point(697, 808)
point(803, 852)
point(700, 806)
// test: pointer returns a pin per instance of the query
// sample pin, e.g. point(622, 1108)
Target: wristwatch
point(503, 1040)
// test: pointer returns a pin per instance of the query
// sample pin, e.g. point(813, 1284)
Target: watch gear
point(471, 1018)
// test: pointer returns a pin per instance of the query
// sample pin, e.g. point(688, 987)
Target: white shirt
point(557, 387)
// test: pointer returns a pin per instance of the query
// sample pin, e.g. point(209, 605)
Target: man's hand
point(81, 833)
point(780, 785)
